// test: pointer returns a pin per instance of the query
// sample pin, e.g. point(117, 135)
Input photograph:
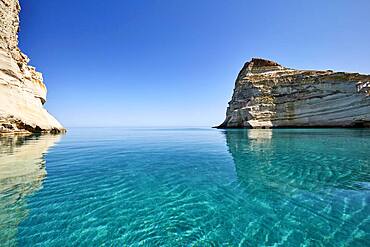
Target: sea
point(186, 187)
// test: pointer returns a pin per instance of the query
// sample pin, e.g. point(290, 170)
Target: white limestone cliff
point(22, 91)
point(268, 95)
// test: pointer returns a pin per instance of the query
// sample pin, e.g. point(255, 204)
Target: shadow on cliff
point(22, 171)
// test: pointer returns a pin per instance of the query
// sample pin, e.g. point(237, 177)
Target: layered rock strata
point(22, 91)
point(268, 95)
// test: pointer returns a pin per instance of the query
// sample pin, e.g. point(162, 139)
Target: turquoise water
point(186, 187)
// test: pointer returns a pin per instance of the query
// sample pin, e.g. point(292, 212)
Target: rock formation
point(268, 95)
point(22, 91)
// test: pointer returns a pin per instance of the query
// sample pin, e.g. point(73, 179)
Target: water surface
point(187, 187)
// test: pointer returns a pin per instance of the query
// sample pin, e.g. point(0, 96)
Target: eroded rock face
point(22, 91)
point(268, 95)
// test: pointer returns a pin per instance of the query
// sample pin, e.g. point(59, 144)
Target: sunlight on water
point(187, 187)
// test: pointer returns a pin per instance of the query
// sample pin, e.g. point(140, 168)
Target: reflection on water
point(310, 159)
point(188, 187)
point(22, 170)
point(311, 185)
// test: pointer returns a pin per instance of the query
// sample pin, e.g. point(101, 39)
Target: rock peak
point(260, 65)
point(257, 66)
point(260, 62)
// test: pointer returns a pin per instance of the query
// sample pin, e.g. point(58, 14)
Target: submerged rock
point(22, 91)
point(268, 95)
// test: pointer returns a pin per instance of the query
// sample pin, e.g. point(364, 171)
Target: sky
point(174, 62)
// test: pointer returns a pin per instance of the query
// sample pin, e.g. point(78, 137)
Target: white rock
point(22, 91)
point(268, 95)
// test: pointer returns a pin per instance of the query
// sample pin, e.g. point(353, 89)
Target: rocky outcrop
point(268, 95)
point(22, 91)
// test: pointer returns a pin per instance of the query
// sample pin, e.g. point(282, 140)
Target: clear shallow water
point(187, 187)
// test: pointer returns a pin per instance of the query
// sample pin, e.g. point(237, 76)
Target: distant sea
point(186, 187)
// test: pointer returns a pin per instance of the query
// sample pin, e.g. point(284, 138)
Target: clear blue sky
point(172, 62)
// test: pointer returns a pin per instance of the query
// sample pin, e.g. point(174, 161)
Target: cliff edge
point(268, 95)
point(22, 91)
